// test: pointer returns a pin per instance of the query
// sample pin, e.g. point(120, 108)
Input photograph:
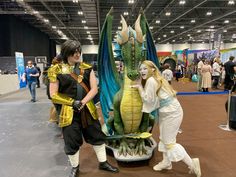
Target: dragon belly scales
point(131, 106)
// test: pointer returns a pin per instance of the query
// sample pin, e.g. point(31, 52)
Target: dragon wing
point(109, 83)
point(150, 46)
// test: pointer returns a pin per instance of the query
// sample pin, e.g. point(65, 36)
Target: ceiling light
point(182, 27)
point(193, 21)
point(173, 40)
point(119, 27)
point(126, 13)
point(158, 21)
point(212, 26)
point(35, 12)
point(180, 38)
point(164, 35)
point(231, 2)
point(199, 31)
point(131, 1)
point(151, 27)
point(83, 21)
point(85, 27)
point(168, 13)
point(46, 20)
point(89, 35)
point(189, 35)
point(80, 12)
point(182, 2)
point(88, 32)
point(54, 27)
point(172, 31)
point(225, 31)
point(158, 38)
point(209, 30)
point(226, 21)
point(75, 1)
point(59, 32)
point(64, 37)
point(209, 13)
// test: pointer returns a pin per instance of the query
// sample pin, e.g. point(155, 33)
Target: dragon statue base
point(134, 157)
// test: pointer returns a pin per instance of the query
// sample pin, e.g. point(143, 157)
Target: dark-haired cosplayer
point(73, 86)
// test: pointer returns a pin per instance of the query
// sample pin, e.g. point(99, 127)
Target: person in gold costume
point(73, 86)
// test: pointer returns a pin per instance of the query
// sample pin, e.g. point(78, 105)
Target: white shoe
point(162, 166)
point(196, 169)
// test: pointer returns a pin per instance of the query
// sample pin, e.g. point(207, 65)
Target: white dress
point(170, 118)
point(206, 76)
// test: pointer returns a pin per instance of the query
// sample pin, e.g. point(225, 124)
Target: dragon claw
point(124, 149)
point(140, 148)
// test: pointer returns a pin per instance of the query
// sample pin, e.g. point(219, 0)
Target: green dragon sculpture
point(128, 123)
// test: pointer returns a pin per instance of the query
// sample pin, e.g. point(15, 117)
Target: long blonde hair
point(156, 74)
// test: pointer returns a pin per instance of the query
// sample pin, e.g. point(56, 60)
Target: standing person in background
point(167, 73)
point(230, 70)
point(222, 74)
point(199, 74)
point(39, 70)
point(30, 75)
point(157, 94)
point(216, 71)
point(73, 85)
point(206, 76)
point(178, 72)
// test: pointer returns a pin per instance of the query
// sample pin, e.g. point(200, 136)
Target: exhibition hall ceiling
point(171, 21)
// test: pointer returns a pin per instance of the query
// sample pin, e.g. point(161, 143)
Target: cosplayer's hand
point(77, 105)
point(135, 86)
point(137, 83)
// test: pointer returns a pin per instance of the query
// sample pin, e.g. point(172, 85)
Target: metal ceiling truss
point(86, 27)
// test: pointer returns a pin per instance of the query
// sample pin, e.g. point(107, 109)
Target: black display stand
point(231, 111)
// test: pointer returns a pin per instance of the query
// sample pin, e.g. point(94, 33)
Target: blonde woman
point(157, 93)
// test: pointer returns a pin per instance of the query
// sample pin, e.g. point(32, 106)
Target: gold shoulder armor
point(53, 71)
point(85, 66)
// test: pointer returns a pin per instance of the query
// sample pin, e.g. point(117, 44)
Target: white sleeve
point(149, 94)
point(171, 73)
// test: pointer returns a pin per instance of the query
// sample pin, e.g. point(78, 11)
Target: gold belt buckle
point(80, 78)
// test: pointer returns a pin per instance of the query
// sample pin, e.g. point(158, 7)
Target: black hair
point(231, 58)
point(69, 48)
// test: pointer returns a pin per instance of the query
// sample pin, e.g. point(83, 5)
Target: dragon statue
point(121, 104)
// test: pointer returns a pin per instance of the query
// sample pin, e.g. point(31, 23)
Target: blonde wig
point(156, 74)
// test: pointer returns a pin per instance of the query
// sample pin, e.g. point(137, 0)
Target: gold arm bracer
point(92, 109)
point(60, 98)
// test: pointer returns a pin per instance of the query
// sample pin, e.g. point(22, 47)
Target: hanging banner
point(20, 68)
point(226, 53)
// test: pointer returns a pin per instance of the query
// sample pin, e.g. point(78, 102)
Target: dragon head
point(132, 48)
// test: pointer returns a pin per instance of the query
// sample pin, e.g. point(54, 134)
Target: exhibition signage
point(20, 68)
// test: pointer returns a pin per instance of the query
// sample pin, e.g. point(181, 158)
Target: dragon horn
point(124, 32)
point(139, 34)
point(110, 11)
